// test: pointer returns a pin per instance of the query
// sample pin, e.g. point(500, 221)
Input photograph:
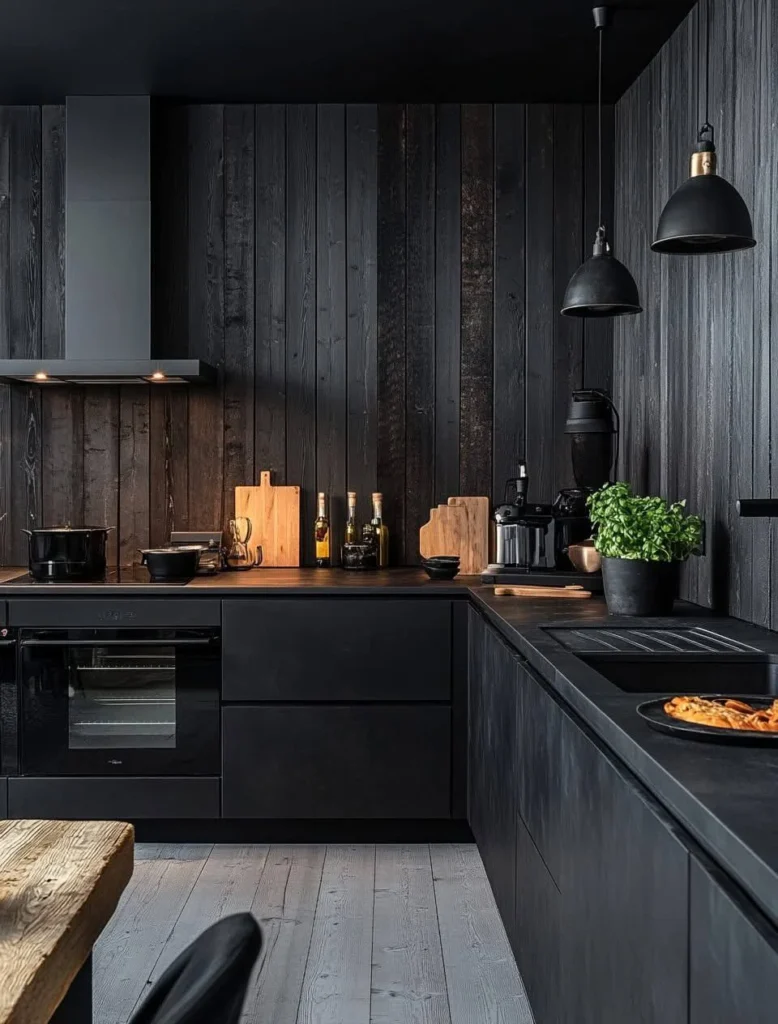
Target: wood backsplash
point(378, 284)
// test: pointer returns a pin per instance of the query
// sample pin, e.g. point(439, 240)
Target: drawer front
point(336, 762)
point(114, 613)
point(110, 798)
point(341, 649)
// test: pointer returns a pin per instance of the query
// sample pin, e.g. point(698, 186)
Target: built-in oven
point(123, 701)
point(9, 704)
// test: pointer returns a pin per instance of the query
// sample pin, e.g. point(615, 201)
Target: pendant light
point(706, 214)
point(602, 286)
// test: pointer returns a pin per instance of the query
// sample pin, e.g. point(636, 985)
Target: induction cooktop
point(135, 575)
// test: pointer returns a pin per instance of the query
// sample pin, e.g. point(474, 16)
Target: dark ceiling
point(325, 49)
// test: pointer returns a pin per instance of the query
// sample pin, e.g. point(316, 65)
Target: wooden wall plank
point(270, 292)
point(331, 413)
point(475, 445)
point(448, 274)
point(206, 313)
point(239, 326)
point(133, 472)
point(540, 309)
point(301, 313)
point(392, 321)
point(568, 163)
point(770, 239)
point(510, 340)
point(598, 332)
point(361, 289)
point(101, 463)
point(168, 464)
point(420, 324)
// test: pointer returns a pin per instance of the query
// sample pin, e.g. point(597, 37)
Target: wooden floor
point(352, 934)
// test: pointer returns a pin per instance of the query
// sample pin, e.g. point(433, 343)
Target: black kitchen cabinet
point(361, 761)
point(540, 727)
point(3, 797)
point(492, 759)
point(733, 950)
point(624, 886)
point(336, 649)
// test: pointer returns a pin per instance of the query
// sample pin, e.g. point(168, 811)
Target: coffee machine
point(532, 539)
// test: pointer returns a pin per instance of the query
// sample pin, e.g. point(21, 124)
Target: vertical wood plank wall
point(379, 286)
point(692, 375)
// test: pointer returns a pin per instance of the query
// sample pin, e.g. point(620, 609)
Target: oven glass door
point(125, 702)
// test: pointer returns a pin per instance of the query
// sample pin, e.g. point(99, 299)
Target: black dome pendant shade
point(602, 286)
point(706, 214)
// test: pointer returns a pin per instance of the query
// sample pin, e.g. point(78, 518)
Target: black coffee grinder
point(593, 426)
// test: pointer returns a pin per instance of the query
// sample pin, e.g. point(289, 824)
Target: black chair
point(207, 983)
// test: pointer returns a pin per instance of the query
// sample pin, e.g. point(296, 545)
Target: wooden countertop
point(60, 882)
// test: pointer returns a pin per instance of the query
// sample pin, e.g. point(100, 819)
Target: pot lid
point(171, 551)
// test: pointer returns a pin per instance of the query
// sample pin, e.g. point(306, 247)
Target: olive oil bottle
point(322, 533)
point(351, 519)
point(381, 530)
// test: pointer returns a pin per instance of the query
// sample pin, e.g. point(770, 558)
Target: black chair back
point(207, 983)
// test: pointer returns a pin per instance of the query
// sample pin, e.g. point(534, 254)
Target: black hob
point(136, 575)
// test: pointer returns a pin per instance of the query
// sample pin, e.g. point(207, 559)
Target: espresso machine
point(531, 540)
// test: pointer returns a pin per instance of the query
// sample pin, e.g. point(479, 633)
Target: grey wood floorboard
point(226, 885)
point(128, 949)
point(336, 987)
point(285, 906)
point(352, 934)
point(409, 980)
point(484, 985)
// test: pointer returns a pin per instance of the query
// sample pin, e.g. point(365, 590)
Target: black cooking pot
point(171, 563)
point(66, 553)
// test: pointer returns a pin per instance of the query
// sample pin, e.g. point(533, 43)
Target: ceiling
point(296, 50)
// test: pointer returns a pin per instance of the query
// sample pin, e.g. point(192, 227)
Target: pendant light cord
point(707, 60)
point(599, 132)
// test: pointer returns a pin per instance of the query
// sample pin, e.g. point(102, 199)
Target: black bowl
point(440, 572)
point(441, 560)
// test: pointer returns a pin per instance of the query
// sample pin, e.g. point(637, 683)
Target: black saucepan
point(67, 553)
point(171, 563)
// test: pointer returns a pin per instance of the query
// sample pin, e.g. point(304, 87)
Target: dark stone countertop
point(724, 796)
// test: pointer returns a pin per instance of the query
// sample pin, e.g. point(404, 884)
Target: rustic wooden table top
point(60, 882)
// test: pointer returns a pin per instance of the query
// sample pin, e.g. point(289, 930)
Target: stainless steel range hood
point(107, 254)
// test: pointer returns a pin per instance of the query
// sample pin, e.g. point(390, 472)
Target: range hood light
point(41, 375)
point(157, 375)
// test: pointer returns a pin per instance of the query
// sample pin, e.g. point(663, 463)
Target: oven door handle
point(191, 642)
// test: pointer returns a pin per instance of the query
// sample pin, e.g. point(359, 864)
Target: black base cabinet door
point(624, 886)
point(733, 976)
point(336, 762)
point(338, 648)
point(493, 677)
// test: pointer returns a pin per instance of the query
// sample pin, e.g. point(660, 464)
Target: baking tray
point(652, 711)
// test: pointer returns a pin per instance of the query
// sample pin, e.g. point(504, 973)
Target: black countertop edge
point(723, 796)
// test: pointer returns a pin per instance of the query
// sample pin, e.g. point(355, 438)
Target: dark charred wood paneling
point(377, 285)
point(692, 375)
point(420, 323)
point(475, 432)
point(392, 315)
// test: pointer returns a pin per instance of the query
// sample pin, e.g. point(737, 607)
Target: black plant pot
point(633, 587)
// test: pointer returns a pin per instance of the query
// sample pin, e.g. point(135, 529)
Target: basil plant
point(649, 529)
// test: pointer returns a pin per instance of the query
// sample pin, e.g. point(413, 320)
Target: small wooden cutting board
point(459, 528)
point(275, 521)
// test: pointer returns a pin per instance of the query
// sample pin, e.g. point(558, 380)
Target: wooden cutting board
point(459, 528)
point(275, 521)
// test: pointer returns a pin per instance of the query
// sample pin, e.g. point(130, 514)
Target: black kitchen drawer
point(342, 649)
point(114, 613)
point(112, 798)
point(336, 762)
point(3, 797)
